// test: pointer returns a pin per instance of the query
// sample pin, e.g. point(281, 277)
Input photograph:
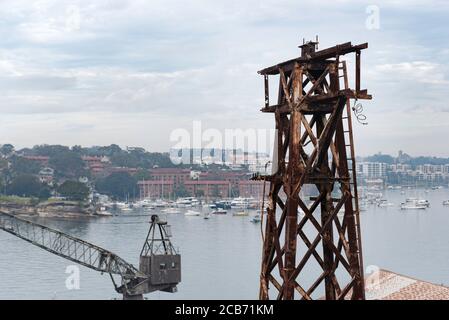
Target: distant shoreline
point(47, 210)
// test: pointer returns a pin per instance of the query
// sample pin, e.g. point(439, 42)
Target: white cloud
point(420, 71)
point(158, 64)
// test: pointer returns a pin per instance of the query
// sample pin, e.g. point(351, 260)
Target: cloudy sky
point(131, 71)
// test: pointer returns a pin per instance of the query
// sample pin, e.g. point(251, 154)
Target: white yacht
point(219, 211)
point(446, 203)
point(171, 210)
point(384, 203)
point(123, 206)
point(187, 202)
point(144, 203)
point(159, 203)
point(120, 205)
point(241, 203)
point(414, 204)
point(421, 202)
point(103, 211)
point(192, 213)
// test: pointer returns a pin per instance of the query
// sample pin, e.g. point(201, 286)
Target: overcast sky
point(129, 72)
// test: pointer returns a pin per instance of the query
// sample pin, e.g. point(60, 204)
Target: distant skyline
point(130, 72)
point(393, 154)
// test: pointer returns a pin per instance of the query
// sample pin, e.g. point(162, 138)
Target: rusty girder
point(313, 121)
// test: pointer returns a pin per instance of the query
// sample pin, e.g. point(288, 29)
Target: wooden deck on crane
point(339, 49)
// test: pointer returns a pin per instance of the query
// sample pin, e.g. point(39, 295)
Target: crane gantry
point(160, 264)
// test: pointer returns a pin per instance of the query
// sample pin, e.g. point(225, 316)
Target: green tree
point(26, 185)
point(118, 185)
point(6, 149)
point(45, 193)
point(74, 190)
point(20, 165)
point(49, 150)
point(68, 164)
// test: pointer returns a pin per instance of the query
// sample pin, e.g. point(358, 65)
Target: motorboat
point(223, 204)
point(171, 210)
point(422, 202)
point(384, 203)
point(240, 213)
point(256, 218)
point(187, 202)
point(243, 203)
point(103, 211)
point(239, 203)
point(414, 204)
point(159, 203)
point(219, 211)
point(145, 204)
point(120, 205)
point(192, 213)
point(126, 208)
point(446, 203)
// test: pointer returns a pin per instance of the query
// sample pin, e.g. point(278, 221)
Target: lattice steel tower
point(313, 146)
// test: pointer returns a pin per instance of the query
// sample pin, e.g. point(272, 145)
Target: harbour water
point(221, 255)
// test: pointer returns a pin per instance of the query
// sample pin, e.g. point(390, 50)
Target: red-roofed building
point(96, 165)
point(156, 189)
point(42, 160)
point(250, 188)
point(176, 175)
point(131, 171)
point(208, 188)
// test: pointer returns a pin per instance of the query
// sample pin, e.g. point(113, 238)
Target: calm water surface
point(221, 256)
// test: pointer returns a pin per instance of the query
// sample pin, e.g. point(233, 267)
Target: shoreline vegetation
point(32, 207)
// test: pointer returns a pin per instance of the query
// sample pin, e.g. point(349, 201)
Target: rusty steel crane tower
point(313, 146)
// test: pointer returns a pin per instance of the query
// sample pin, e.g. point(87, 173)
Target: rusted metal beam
point(332, 52)
point(325, 165)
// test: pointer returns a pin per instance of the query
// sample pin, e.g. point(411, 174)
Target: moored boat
point(219, 211)
point(384, 203)
point(192, 213)
point(103, 211)
point(414, 204)
point(171, 210)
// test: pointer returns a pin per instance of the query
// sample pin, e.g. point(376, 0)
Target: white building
point(372, 169)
